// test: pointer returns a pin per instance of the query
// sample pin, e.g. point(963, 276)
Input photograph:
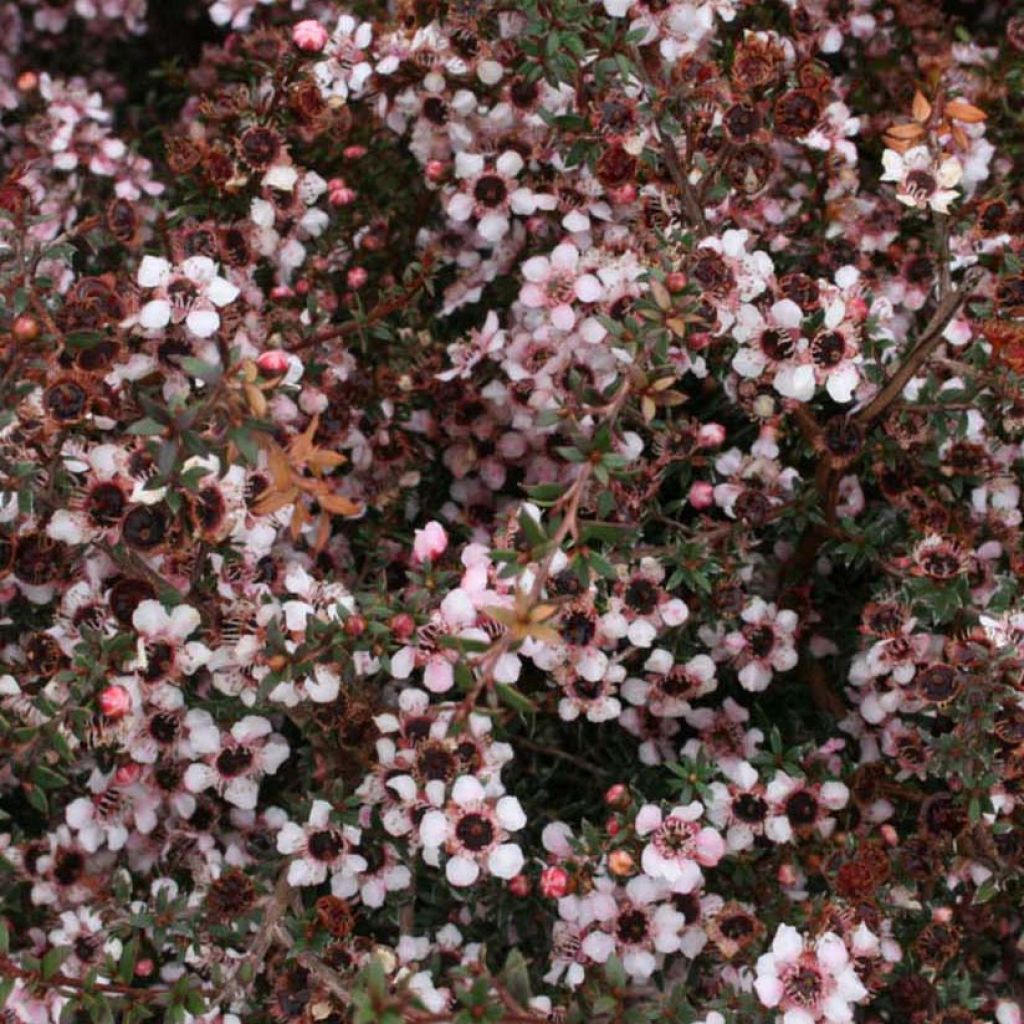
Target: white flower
point(473, 831)
point(190, 293)
point(921, 182)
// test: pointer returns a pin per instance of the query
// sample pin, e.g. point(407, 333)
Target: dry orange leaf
point(905, 131)
point(921, 108)
point(960, 110)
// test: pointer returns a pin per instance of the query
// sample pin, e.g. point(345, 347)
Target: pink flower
point(429, 543)
point(678, 847)
point(808, 983)
point(309, 35)
point(553, 282)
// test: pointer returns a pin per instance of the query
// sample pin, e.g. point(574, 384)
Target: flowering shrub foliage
point(511, 511)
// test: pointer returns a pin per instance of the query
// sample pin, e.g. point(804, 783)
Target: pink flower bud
point(273, 362)
point(435, 170)
point(623, 194)
point(702, 494)
point(617, 795)
point(787, 875)
point(281, 293)
point(711, 435)
point(128, 774)
point(353, 152)
point(115, 701)
point(612, 826)
point(519, 886)
point(554, 882)
point(302, 287)
point(890, 835)
point(309, 35)
point(356, 277)
point(144, 967)
point(403, 626)
point(430, 542)
point(676, 281)
point(334, 184)
point(341, 197)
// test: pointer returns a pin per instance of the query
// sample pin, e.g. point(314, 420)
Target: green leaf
point(126, 966)
point(515, 976)
point(52, 960)
point(200, 368)
point(146, 427)
point(615, 973)
point(512, 698)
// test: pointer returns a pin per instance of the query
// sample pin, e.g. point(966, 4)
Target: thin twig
point(930, 340)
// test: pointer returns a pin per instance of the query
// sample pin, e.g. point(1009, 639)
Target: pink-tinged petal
point(754, 677)
point(565, 257)
point(842, 383)
point(787, 945)
point(199, 777)
point(291, 838)
point(243, 793)
point(300, 873)
point(250, 728)
point(323, 686)
point(563, 317)
point(769, 990)
point(510, 814)
point(533, 296)
point(155, 314)
point(507, 668)
point(468, 165)
point(79, 813)
point(184, 620)
point(434, 828)
point(786, 313)
point(832, 952)
point(493, 227)
point(588, 288)
point(153, 271)
point(438, 677)
point(834, 795)
point(203, 322)
point(710, 847)
point(403, 662)
point(462, 871)
point(685, 876)
point(799, 1016)
point(536, 269)
point(509, 164)
point(149, 618)
point(460, 207)
point(796, 382)
point(221, 291)
point(467, 790)
point(505, 861)
point(320, 815)
point(648, 818)
point(598, 946)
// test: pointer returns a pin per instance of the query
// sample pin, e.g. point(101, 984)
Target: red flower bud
point(519, 886)
point(115, 701)
point(273, 362)
point(554, 882)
